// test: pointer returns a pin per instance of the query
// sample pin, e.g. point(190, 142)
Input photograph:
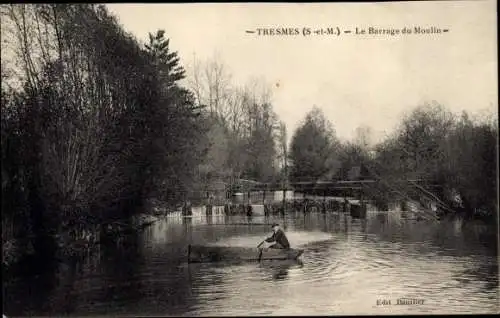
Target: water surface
point(347, 266)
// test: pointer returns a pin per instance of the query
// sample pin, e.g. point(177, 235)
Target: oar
point(260, 250)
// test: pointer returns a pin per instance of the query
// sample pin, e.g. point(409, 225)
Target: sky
point(356, 79)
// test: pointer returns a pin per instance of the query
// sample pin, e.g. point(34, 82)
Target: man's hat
point(274, 224)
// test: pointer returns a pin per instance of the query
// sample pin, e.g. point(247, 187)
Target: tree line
point(93, 122)
point(245, 138)
point(449, 158)
point(96, 123)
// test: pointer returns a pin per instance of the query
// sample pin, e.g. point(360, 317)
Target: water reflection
point(279, 270)
point(280, 273)
point(347, 265)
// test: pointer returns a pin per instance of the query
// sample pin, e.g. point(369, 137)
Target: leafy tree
point(100, 123)
point(470, 166)
point(314, 149)
point(453, 159)
point(261, 150)
point(175, 128)
point(354, 162)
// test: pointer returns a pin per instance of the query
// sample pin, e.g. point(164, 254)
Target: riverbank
point(77, 240)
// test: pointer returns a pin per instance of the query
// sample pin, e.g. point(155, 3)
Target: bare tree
point(363, 137)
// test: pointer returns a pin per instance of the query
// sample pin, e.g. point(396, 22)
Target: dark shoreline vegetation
point(96, 126)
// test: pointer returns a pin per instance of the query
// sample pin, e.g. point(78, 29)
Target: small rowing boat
point(207, 254)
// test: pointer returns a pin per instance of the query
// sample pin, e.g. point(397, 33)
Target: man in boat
point(278, 237)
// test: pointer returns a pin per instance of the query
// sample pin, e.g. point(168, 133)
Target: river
point(348, 267)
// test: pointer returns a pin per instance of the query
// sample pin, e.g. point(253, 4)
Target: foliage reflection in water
point(347, 266)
